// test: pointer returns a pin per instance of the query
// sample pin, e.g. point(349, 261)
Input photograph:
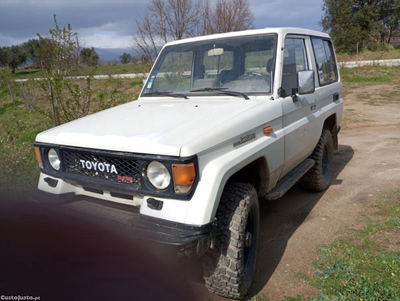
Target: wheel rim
point(248, 243)
point(325, 164)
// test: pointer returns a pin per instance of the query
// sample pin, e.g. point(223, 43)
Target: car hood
point(160, 127)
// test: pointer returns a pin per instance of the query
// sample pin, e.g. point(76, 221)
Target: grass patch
point(102, 69)
point(361, 266)
point(368, 55)
point(18, 167)
point(364, 79)
point(27, 73)
point(369, 74)
point(19, 170)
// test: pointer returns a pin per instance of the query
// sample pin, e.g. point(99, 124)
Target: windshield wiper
point(223, 91)
point(166, 93)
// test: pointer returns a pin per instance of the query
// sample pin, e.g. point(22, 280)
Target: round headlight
point(158, 175)
point(54, 160)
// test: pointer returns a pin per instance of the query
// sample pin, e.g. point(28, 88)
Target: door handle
point(335, 96)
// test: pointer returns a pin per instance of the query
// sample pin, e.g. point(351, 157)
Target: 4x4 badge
point(245, 139)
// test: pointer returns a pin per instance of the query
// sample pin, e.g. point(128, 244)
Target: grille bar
point(105, 167)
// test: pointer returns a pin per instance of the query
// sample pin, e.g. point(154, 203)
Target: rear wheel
point(318, 178)
point(229, 267)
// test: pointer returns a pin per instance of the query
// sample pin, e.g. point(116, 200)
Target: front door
point(299, 121)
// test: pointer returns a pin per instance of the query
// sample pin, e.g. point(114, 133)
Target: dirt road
point(366, 165)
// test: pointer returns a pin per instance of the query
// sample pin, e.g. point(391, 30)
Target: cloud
point(111, 23)
point(287, 13)
point(107, 35)
point(22, 20)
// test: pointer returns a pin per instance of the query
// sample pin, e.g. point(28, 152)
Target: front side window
point(241, 64)
point(326, 64)
point(294, 60)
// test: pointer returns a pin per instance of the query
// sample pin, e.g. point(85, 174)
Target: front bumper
point(186, 241)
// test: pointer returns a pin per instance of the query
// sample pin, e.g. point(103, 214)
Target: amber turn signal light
point(184, 176)
point(268, 130)
point(38, 156)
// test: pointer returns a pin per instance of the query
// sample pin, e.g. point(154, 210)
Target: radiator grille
point(113, 169)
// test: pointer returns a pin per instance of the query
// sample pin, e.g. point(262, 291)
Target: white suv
point(222, 122)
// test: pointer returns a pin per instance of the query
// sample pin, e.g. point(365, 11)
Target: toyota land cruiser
point(222, 123)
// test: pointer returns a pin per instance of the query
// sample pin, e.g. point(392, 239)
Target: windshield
point(242, 64)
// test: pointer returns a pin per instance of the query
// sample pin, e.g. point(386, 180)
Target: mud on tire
point(229, 267)
point(318, 178)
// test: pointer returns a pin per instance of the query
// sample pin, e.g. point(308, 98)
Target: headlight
point(158, 175)
point(54, 160)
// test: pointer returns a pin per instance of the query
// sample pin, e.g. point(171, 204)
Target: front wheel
point(229, 267)
point(318, 178)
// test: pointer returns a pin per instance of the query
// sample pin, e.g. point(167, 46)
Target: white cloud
point(105, 36)
point(105, 40)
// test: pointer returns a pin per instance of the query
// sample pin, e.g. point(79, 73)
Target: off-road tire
point(318, 178)
point(229, 267)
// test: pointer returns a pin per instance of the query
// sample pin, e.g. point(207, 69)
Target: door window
point(294, 60)
point(326, 64)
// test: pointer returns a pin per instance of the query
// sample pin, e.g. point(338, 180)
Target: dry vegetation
point(19, 127)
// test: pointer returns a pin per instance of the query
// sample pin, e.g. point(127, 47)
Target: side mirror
point(143, 82)
point(306, 82)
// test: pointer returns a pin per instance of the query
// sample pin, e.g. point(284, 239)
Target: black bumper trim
point(47, 198)
point(188, 241)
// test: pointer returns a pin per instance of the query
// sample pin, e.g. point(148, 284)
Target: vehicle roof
point(279, 30)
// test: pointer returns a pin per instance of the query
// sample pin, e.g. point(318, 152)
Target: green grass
point(27, 73)
point(102, 69)
point(18, 129)
point(367, 55)
point(18, 167)
point(367, 75)
point(360, 266)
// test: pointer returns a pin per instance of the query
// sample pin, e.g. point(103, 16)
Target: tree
point(360, 21)
point(89, 57)
point(125, 58)
point(165, 20)
point(339, 21)
point(231, 16)
point(69, 98)
point(168, 20)
point(3, 56)
point(388, 19)
point(56, 53)
point(30, 47)
point(12, 56)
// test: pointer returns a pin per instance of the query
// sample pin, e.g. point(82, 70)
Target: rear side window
point(326, 64)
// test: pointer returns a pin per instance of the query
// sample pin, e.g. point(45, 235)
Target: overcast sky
point(110, 23)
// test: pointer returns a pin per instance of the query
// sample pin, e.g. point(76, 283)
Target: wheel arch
point(330, 124)
point(255, 173)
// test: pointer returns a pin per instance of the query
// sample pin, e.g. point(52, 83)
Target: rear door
point(328, 85)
